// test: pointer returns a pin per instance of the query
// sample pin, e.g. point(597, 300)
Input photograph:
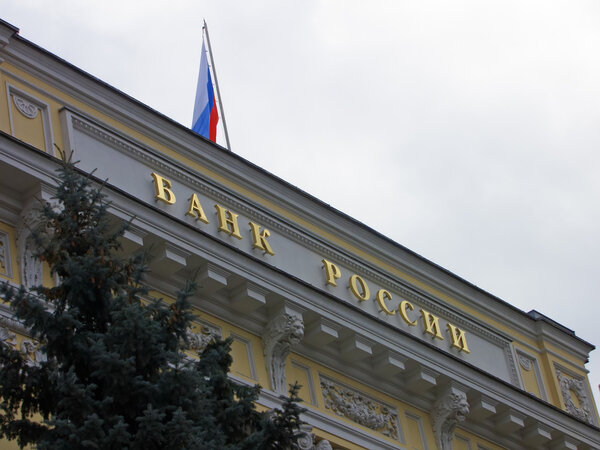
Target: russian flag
point(206, 116)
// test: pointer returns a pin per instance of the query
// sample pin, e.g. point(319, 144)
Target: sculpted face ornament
point(282, 333)
point(446, 413)
point(463, 409)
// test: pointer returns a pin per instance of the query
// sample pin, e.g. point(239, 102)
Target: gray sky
point(466, 131)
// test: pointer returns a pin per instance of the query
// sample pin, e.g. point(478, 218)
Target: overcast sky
point(465, 131)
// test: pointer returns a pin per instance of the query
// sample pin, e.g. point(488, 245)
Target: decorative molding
point(31, 351)
point(5, 257)
point(31, 220)
point(29, 106)
point(283, 332)
point(576, 385)
point(8, 320)
point(307, 440)
point(25, 107)
point(8, 337)
point(528, 363)
point(29, 348)
point(360, 408)
point(447, 412)
point(198, 340)
point(326, 422)
point(30, 264)
point(525, 362)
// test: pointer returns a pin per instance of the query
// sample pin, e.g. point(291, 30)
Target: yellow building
point(392, 351)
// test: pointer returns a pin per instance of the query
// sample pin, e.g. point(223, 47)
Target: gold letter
point(403, 306)
point(226, 219)
point(195, 209)
point(382, 296)
point(260, 238)
point(163, 189)
point(432, 324)
point(459, 338)
point(332, 272)
point(363, 287)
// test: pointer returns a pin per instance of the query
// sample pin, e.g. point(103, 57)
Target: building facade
point(391, 350)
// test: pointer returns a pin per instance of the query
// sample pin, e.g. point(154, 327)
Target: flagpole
point(214, 69)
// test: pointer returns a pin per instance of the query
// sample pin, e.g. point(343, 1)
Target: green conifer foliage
point(115, 375)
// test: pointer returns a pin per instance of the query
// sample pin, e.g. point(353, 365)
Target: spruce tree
point(115, 374)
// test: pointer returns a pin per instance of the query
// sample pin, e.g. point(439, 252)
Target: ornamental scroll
point(198, 340)
point(306, 440)
point(25, 107)
point(360, 408)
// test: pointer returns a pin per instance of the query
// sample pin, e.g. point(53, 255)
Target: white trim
point(6, 254)
point(249, 352)
point(420, 426)
point(536, 370)
point(311, 386)
point(465, 439)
